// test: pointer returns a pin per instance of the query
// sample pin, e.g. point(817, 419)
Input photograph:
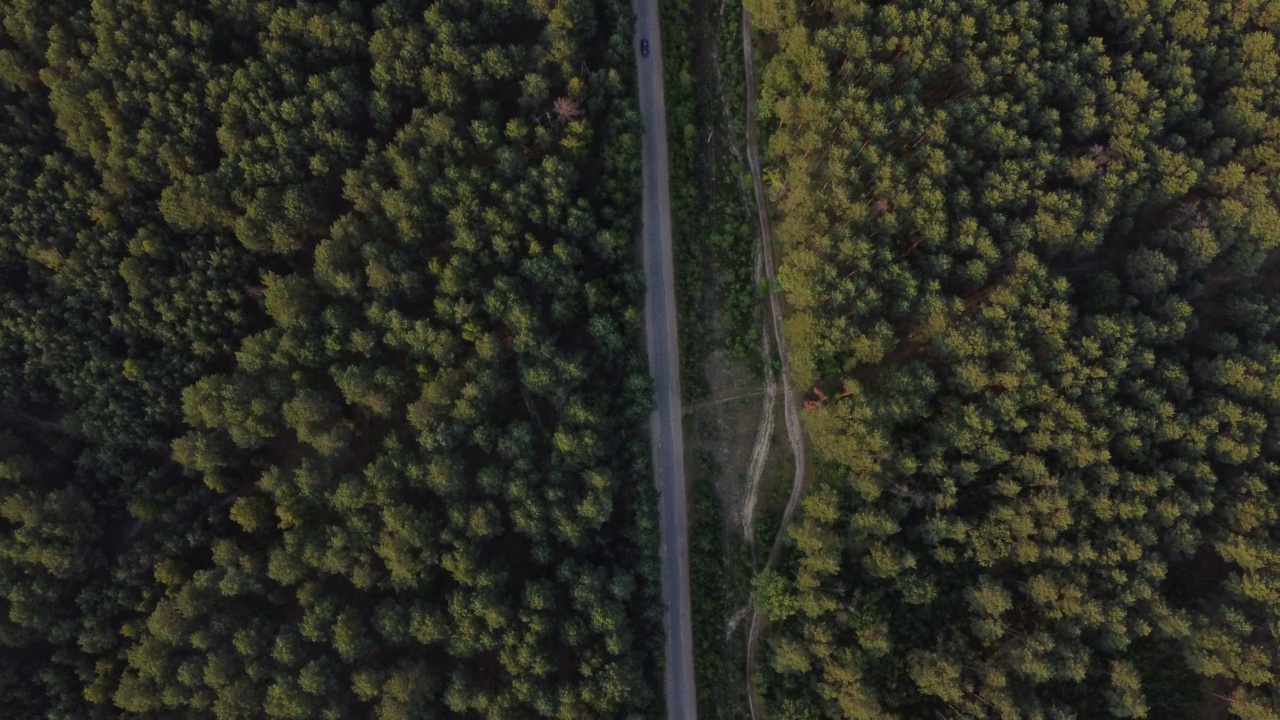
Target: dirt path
point(28, 419)
point(764, 435)
point(790, 407)
point(720, 401)
point(790, 412)
point(770, 326)
point(764, 430)
point(732, 624)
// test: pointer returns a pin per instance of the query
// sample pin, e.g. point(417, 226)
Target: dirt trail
point(790, 411)
point(30, 420)
point(732, 624)
point(720, 401)
point(770, 326)
point(764, 430)
point(764, 435)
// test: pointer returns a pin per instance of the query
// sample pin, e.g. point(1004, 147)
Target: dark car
point(644, 48)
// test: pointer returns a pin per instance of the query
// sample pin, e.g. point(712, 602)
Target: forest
point(320, 385)
point(1032, 258)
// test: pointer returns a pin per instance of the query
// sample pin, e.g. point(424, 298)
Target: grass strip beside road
point(716, 300)
point(715, 294)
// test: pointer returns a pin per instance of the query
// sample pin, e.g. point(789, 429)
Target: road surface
point(664, 366)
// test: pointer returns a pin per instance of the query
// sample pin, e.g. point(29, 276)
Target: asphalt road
point(664, 366)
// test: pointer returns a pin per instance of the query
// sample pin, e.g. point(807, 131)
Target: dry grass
point(723, 428)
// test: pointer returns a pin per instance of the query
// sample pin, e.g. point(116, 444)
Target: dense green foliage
point(319, 383)
point(715, 294)
point(709, 587)
point(1030, 252)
